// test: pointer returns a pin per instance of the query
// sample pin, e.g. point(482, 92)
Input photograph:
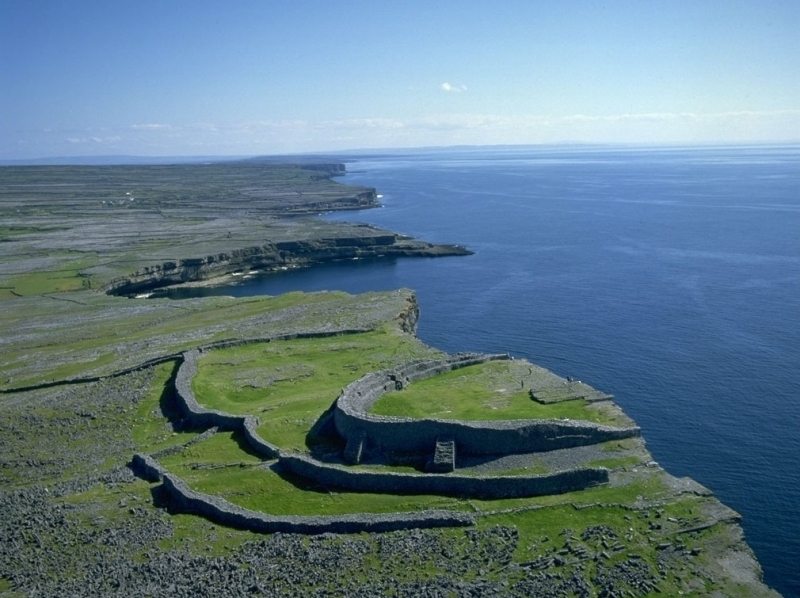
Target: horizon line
point(141, 159)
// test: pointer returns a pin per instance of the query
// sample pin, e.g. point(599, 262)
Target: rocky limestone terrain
point(85, 383)
point(129, 229)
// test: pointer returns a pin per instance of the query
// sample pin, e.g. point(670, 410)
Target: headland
point(299, 444)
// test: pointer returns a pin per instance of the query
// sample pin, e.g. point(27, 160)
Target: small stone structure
point(444, 456)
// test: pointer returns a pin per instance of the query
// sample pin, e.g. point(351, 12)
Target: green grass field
point(220, 466)
point(495, 390)
point(289, 384)
point(88, 333)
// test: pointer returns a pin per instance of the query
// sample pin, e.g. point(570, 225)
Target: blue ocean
point(669, 277)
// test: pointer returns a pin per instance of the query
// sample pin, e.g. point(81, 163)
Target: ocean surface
point(668, 277)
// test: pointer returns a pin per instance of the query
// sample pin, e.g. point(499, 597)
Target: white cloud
point(447, 128)
point(110, 139)
point(365, 123)
point(451, 88)
point(151, 127)
point(486, 128)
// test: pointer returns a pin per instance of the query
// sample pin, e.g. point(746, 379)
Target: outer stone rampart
point(183, 499)
point(402, 434)
point(258, 444)
point(197, 415)
point(147, 468)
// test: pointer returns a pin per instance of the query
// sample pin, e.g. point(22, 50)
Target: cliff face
point(278, 256)
point(408, 317)
point(129, 230)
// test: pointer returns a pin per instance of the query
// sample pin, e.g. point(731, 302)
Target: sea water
point(669, 277)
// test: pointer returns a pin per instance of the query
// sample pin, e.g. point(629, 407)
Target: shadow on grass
point(168, 403)
point(160, 497)
point(322, 440)
point(300, 482)
point(241, 441)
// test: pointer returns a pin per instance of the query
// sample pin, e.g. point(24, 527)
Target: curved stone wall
point(195, 414)
point(183, 499)
point(353, 421)
point(400, 434)
point(258, 444)
point(147, 468)
point(446, 485)
point(199, 417)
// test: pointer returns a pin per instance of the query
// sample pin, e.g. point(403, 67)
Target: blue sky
point(197, 77)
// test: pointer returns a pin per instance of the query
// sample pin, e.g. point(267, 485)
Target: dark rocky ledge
point(283, 255)
point(137, 229)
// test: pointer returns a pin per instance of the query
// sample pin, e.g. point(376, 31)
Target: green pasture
point(288, 384)
point(495, 390)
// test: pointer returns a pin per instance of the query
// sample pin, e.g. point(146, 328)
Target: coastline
point(112, 331)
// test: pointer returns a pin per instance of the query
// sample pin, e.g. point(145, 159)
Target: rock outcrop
point(282, 255)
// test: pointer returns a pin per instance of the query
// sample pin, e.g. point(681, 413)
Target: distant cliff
point(278, 256)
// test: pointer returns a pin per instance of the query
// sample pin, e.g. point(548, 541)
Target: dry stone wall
point(488, 487)
point(199, 417)
point(358, 427)
point(402, 434)
point(182, 499)
point(147, 468)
